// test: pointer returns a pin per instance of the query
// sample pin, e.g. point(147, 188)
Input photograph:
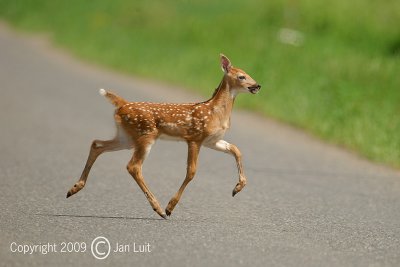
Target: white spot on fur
point(168, 124)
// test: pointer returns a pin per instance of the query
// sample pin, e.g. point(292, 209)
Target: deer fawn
point(140, 124)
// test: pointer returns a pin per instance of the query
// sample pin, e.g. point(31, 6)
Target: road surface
point(306, 203)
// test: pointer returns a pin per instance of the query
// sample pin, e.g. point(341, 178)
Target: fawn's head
point(238, 80)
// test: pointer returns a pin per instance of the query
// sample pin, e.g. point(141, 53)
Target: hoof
point(163, 215)
point(76, 188)
point(234, 192)
point(168, 212)
point(237, 189)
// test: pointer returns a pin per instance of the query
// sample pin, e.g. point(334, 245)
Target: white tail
point(139, 124)
point(102, 92)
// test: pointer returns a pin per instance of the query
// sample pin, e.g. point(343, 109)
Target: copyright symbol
point(100, 247)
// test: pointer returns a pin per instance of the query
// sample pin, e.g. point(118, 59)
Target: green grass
point(342, 84)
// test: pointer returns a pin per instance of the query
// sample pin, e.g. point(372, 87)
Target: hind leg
point(97, 148)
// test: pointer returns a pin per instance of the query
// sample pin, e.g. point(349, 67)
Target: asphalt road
point(306, 203)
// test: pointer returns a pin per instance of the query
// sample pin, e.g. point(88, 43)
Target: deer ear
point(225, 63)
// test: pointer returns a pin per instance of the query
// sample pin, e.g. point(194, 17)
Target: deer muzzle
point(254, 89)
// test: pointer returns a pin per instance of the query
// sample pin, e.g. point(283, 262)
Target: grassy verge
point(342, 83)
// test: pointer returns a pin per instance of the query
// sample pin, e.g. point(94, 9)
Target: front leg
point(193, 152)
point(226, 147)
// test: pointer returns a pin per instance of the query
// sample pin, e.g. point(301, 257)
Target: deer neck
point(222, 101)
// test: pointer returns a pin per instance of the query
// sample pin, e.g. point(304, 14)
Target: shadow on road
point(97, 216)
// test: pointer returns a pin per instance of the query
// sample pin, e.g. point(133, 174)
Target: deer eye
point(242, 77)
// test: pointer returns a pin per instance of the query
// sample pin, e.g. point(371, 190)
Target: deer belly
point(170, 137)
point(171, 131)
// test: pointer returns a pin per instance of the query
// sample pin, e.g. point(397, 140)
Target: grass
point(342, 84)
